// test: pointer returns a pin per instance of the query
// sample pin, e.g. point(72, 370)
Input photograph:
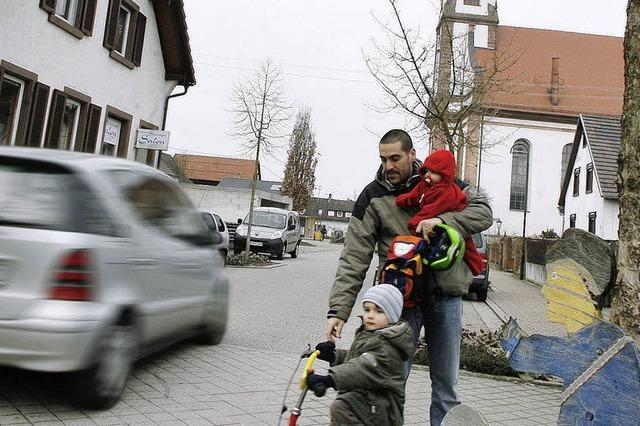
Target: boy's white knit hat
point(388, 298)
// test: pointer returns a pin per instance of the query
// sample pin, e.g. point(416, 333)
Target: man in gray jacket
point(375, 221)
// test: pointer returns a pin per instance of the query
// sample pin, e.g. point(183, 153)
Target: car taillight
point(73, 277)
point(484, 257)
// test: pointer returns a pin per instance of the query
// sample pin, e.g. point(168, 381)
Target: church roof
point(591, 72)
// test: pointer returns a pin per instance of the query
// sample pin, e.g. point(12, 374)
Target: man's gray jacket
point(376, 220)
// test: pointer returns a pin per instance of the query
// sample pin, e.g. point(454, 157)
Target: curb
point(510, 379)
point(267, 266)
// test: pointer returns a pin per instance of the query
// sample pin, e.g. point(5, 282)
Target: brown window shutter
point(93, 129)
point(112, 22)
point(36, 116)
point(48, 5)
point(88, 17)
point(55, 119)
point(123, 143)
point(139, 40)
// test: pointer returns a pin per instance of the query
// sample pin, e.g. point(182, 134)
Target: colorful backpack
point(404, 268)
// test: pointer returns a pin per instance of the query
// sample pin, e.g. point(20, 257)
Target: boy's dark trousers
point(343, 415)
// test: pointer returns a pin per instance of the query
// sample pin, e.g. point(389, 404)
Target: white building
point(589, 196)
point(84, 75)
point(555, 76)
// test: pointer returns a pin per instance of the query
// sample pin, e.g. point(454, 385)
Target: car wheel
point(101, 386)
point(481, 294)
point(280, 254)
point(294, 253)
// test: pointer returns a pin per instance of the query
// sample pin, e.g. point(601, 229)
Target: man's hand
point(425, 227)
point(334, 328)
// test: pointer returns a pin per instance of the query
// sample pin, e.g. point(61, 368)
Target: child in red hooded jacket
point(437, 193)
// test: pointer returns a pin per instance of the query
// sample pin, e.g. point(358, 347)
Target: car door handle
point(143, 262)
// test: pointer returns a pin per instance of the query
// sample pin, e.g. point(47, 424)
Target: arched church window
point(519, 171)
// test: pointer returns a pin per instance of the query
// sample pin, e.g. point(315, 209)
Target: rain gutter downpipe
point(185, 86)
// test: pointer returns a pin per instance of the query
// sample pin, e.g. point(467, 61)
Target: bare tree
point(299, 173)
point(625, 309)
point(438, 85)
point(260, 115)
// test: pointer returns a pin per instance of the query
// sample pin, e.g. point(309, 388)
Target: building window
point(69, 125)
point(11, 95)
point(592, 222)
point(572, 221)
point(74, 16)
point(331, 213)
point(115, 136)
point(339, 214)
point(69, 128)
point(347, 214)
point(576, 182)
point(18, 89)
point(520, 155)
point(319, 212)
point(566, 154)
point(124, 32)
point(589, 178)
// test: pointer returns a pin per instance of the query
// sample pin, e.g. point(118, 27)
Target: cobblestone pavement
point(222, 385)
point(522, 300)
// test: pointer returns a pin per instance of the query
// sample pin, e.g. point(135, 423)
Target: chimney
point(555, 80)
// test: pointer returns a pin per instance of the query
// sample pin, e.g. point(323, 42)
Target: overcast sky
point(318, 45)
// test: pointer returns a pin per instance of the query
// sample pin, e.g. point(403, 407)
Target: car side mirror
point(291, 227)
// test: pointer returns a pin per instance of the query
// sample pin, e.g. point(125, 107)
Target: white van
point(274, 231)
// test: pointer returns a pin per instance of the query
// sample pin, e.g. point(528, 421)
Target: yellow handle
point(307, 367)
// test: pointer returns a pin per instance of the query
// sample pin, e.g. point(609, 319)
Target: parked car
point(102, 260)
point(480, 283)
point(215, 223)
point(274, 231)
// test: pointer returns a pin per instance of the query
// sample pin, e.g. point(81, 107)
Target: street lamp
point(521, 148)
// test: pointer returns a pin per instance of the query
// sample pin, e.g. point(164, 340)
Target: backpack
point(404, 268)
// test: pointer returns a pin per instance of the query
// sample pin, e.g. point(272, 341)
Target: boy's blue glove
point(327, 351)
point(319, 383)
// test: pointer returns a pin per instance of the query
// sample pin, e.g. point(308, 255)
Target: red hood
point(442, 162)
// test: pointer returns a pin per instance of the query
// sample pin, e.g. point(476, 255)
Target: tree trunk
point(626, 302)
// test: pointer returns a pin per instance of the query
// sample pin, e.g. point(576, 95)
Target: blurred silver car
point(101, 260)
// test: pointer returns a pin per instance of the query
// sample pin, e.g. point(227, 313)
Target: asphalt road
point(284, 309)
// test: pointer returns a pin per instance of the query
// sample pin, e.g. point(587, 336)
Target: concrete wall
point(230, 203)
point(30, 41)
point(545, 162)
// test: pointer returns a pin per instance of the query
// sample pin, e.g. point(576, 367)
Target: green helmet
point(445, 248)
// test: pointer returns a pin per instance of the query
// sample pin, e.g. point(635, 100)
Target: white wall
point(230, 203)
point(583, 204)
point(482, 10)
point(546, 142)
point(29, 40)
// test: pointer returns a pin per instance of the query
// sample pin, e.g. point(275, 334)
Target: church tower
point(464, 25)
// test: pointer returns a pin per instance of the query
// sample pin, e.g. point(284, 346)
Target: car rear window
point(37, 194)
point(477, 239)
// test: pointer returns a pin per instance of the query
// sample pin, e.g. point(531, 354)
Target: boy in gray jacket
point(370, 376)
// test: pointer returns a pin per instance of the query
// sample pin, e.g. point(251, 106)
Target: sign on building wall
point(153, 139)
point(112, 130)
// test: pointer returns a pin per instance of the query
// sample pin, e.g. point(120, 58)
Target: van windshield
point(267, 219)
